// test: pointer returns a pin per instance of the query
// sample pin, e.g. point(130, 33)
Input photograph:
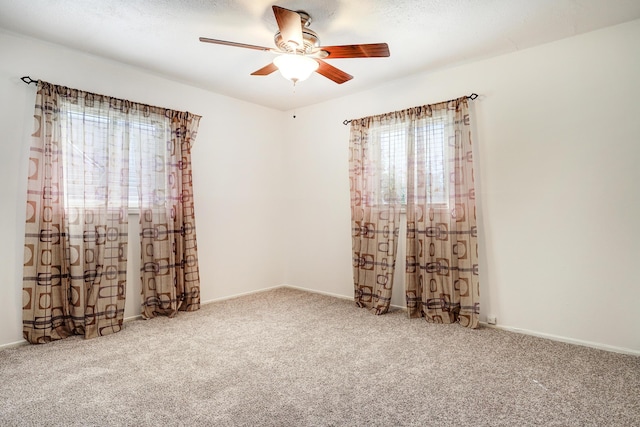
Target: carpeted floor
point(290, 358)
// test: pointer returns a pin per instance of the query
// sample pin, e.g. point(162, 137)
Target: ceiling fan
point(300, 53)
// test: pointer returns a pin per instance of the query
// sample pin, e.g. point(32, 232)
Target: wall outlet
point(491, 320)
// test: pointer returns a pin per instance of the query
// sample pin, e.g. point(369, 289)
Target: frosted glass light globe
point(295, 67)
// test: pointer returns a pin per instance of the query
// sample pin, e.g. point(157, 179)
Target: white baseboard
point(257, 291)
point(330, 294)
point(23, 342)
point(13, 344)
point(552, 337)
point(132, 318)
point(139, 316)
point(567, 340)
point(314, 291)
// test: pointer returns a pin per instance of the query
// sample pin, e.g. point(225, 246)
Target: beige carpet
point(290, 358)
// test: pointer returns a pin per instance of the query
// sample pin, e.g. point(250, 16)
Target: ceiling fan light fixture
point(300, 51)
point(295, 67)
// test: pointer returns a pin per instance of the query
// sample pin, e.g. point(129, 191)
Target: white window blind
point(391, 143)
point(86, 176)
point(430, 134)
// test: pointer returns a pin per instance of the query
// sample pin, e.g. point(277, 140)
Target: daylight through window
point(392, 144)
point(86, 174)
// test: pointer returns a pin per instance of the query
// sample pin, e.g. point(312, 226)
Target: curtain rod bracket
point(28, 80)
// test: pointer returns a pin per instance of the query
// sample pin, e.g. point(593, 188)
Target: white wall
point(558, 154)
point(558, 147)
point(237, 172)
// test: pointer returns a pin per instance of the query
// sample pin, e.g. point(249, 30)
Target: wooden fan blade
point(373, 50)
point(234, 44)
point(290, 26)
point(332, 73)
point(266, 70)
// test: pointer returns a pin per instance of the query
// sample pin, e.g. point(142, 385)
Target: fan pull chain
point(294, 94)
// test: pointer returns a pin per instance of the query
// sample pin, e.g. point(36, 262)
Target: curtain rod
point(28, 80)
point(471, 97)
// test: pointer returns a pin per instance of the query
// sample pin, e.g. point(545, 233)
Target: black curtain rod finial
point(28, 80)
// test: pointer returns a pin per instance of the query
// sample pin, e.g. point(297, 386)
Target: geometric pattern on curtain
point(74, 279)
point(376, 198)
point(442, 281)
point(169, 270)
point(75, 242)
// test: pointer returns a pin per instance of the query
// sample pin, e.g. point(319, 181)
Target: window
point(87, 171)
point(430, 140)
point(391, 144)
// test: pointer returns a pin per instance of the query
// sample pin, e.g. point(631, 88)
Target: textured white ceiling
point(162, 36)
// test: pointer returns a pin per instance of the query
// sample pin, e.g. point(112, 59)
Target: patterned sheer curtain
point(74, 279)
point(76, 226)
point(170, 275)
point(377, 194)
point(442, 282)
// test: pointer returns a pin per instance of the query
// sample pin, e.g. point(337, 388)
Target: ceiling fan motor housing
point(310, 39)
